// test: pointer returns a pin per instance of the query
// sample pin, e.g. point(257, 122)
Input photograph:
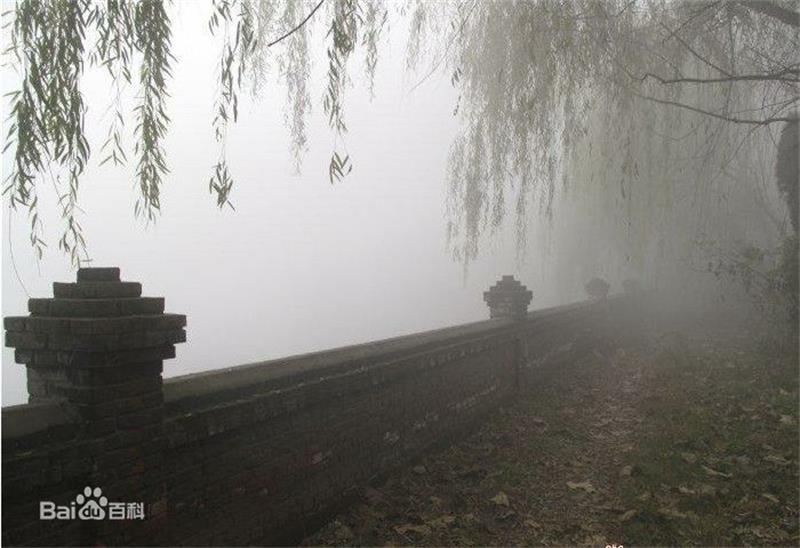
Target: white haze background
point(301, 265)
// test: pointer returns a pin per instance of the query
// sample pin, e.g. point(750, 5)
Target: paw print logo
point(92, 504)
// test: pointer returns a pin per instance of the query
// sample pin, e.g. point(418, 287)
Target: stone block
point(95, 308)
point(96, 290)
point(26, 340)
point(95, 274)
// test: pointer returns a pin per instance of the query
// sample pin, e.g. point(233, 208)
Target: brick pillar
point(98, 346)
point(508, 299)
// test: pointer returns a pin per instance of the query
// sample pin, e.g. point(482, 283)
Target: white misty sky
point(301, 265)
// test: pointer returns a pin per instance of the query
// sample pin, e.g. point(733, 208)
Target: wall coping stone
point(183, 388)
point(29, 418)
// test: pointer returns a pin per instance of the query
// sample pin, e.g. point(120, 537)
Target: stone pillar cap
point(97, 314)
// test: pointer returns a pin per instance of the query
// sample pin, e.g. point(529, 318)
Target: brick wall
point(254, 454)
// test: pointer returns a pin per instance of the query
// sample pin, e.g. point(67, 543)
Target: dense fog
point(436, 273)
point(303, 264)
point(300, 265)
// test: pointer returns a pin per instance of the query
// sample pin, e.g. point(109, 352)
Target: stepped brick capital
point(508, 298)
point(97, 323)
point(97, 314)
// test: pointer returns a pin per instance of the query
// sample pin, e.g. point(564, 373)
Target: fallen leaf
point(686, 490)
point(716, 473)
point(500, 498)
point(595, 540)
point(770, 497)
point(342, 531)
point(471, 472)
point(409, 528)
point(584, 485)
point(508, 514)
point(741, 459)
point(669, 512)
point(775, 459)
point(442, 521)
point(627, 515)
point(373, 495)
point(760, 532)
point(705, 489)
point(626, 471)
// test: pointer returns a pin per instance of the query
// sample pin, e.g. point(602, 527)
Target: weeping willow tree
point(633, 104)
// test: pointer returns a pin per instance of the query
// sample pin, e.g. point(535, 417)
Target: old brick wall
point(262, 453)
point(43, 459)
point(267, 466)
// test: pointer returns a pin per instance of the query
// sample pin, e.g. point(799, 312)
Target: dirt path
point(629, 448)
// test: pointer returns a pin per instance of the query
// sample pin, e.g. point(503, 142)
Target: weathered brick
point(84, 359)
point(26, 340)
point(15, 323)
point(96, 290)
point(47, 325)
point(23, 356)
point(98, 342)
point(98, 274)
point(149, 339)
point(151, 322)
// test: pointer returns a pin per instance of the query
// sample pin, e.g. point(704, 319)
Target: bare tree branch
point(733, 120)
point(779, 76)
point(692, 50)
point(298, 27)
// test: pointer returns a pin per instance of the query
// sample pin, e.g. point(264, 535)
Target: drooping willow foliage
point(538, 79)
point(48, 42)
point(543, 85)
